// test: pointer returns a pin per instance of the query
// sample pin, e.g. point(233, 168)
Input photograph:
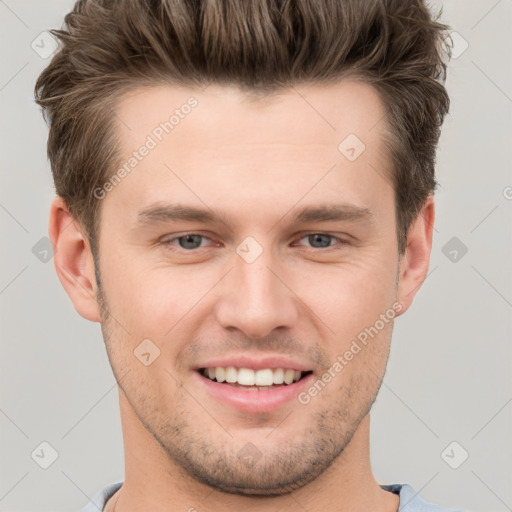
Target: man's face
point(254, 282)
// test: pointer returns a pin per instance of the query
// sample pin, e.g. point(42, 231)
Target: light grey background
point(449, 374)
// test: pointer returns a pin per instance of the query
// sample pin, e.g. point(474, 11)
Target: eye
point(192, 241)
point(188, 241)
point(321, 240)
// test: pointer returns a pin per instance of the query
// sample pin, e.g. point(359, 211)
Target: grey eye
point(190, 241)
point(320, 239)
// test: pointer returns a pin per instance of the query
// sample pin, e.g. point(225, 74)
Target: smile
point(253, 379)
point(254, 391)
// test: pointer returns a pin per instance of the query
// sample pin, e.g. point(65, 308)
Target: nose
point(256, 298)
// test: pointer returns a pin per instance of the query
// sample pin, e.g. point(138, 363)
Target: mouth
point(253, 391)
point(256, 380)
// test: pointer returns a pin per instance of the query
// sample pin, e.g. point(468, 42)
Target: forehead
point(219, 141)
point(311, 114)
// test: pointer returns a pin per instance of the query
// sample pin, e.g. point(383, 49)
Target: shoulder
point(98, 502)
point(411, 501)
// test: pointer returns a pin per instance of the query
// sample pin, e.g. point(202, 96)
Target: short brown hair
point(111, 46)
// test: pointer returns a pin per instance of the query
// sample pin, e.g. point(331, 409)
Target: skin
point(254, 162)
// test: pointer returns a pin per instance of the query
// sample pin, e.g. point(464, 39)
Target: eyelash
point(169, 242)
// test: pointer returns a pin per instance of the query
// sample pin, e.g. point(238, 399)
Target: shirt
point(410, 501)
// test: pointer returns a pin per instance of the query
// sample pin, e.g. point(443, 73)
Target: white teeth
point(220, 374)
point(246, 377)
point(231, 374)
point(264, 379)
point(288, 376)
point(278, 376)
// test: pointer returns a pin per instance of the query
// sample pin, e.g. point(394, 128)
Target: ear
point(73, 260)
point(415, 262)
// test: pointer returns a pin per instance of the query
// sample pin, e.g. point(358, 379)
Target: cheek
point(157, 301)
point(350, 296)
point(136, 289)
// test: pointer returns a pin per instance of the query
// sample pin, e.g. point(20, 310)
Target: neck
point(154, 482)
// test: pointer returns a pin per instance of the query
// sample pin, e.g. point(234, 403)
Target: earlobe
point(414, 263)
point(73, 260)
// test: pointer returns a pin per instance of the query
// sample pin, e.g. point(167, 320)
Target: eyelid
point(168, 241)
point(335, 237)
point(298, 236)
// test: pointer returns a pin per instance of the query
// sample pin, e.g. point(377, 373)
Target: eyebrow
point(325, 213)
point(169, 212)
point(161, 212)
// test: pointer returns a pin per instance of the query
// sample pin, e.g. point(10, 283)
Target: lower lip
point(254, 401)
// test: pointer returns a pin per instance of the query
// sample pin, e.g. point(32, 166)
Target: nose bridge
point(254, 299)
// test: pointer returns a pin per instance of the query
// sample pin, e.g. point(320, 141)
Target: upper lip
point(255, 363)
